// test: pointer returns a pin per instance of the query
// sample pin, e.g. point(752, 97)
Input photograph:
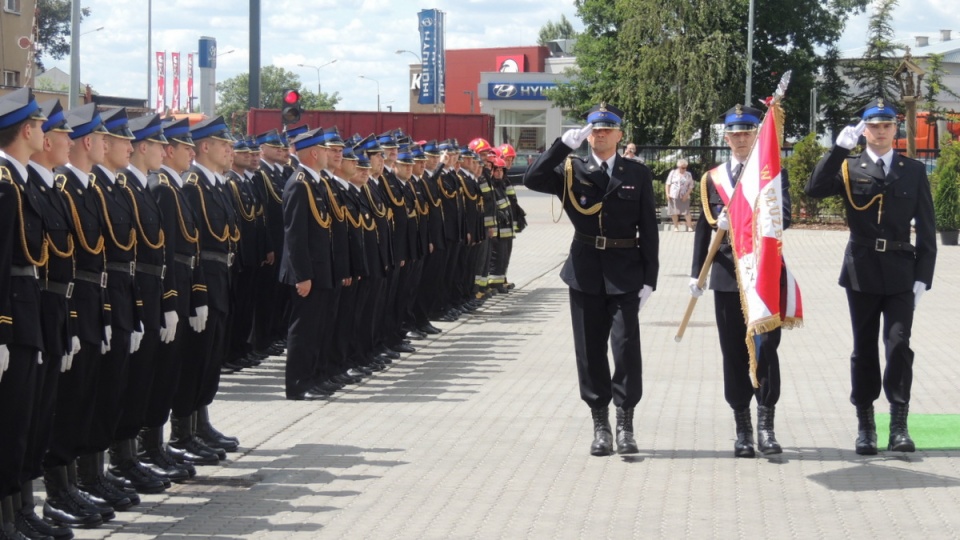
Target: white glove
point(723, 222)
point(74, 345)
point(169, 330)
point(66, 362)
point(108, 336)
point(850, 135)
point(4, 360)
point(199, 321)
point(695, 290)
point(645, 293)
point(919, 288)
point(573, 138)
point(135, 339)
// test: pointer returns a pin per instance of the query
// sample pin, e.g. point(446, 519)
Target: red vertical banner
point(175, 65)
point(190, 82)
point(161, 80)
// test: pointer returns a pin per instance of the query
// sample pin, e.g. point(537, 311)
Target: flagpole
point(701, 282)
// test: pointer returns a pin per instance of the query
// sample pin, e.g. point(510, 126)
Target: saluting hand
point(573, 138)
point(850, 135)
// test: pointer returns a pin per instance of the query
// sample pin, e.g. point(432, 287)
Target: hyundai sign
point(521, 91)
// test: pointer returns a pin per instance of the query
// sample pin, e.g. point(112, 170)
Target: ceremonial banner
point(175, 64)
point(190, 82)
point(161, 81)
point(769, 294)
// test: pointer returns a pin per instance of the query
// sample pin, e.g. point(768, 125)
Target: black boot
point(602, 436)
point(30, 524)
point(219, 451)
point(866, 444)
point(92, 481)
point(625, 441)
point(106, 511)
point(124, 463)
point(767, 440)
point(211, 436)
point(744, 445)
point(185, 448)
point(156, 459)
point(64, 506)
point(8, 525)
point(900, 440)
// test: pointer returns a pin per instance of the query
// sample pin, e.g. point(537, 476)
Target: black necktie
point(606, 168)
point(882, 168)
point(736, 173)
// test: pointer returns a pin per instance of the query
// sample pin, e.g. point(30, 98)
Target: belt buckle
point(163, 271)
point(103, 280)
point(600, 242)
point(881, 245)
point(133, 268)
point(69, 290)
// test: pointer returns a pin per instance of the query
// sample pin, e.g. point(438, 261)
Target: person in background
point(679, 186)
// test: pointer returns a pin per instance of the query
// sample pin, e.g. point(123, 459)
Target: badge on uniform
point(583, 199)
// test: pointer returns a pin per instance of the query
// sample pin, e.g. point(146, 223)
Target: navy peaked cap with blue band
point(314, 137)
point(147, 128)
point(387, 140)
point(270, 138)
point(879, 112)
point(215, 128)
point(178, 131)
point(605, 116)
point(84, 120)
point(116, 122)
point(404, 155)
point(292, 133)
point(370, 144)
point(363, 160)
point(348, 153)
point(331, 137)
point(56, 119)
point(18, 106)
point(740, 118)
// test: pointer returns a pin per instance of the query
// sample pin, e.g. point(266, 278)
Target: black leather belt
point(188, 260)
point(215, 256)
point(92, 277)
point(882, 244)
point(125, 267)
point(63, 289)
point(602, 242)
point(152, 269)
point(24, 271)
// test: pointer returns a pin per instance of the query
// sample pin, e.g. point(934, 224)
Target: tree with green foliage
point(872, 74)
point(799, 165)
point(556, 30)
point(53, 29)
point(832, 95)
point(933, 87)
point(232, 95)
point(946, 180)
point(674, 65)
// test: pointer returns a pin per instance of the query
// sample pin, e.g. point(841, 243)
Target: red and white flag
point(175, 64)
point(161, 81)
point(769, 293)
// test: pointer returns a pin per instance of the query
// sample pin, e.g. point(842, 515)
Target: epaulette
point(5, 175)
point(163, 179)
point(192, 179)
point(122, 179)
point(301, 176)
point(60, 181)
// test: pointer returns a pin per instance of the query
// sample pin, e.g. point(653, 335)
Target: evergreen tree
point(872, 75)
point(832, 95)
point(556, 30)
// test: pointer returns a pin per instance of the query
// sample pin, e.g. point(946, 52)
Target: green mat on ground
point(928, 431)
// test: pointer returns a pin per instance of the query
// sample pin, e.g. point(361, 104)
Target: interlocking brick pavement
point(481, 432)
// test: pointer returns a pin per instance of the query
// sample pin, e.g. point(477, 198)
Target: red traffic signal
point(290, 109)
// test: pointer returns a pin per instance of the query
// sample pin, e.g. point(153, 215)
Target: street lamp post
point(415, 55)
point(318, 72)
point(378, 89)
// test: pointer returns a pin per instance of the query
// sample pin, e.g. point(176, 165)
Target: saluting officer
point(883, 273)
point(613, 264)
point(717, 187)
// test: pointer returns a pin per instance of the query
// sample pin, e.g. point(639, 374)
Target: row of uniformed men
point(114, 297)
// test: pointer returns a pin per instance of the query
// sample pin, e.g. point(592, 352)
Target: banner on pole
point(432, 53)
point(161, 80)
point(190, 82)
point(175, 65)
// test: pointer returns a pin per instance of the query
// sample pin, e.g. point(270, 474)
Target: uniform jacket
point(158, 294)
point(628, 211)
point(123, 298)
point(905, 196)
point(308, 251)
point(217, 222)
point(373, 202)
point(723, 271)
point(58, 327)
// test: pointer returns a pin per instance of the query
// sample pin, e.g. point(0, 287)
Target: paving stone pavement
point(481, 432)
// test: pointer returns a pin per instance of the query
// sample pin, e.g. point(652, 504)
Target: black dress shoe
point(373, 365)
point(184, 455)
point(386, 351)
point(429, 329)
point(403, 348)
point(30, 525)
point(383, 359)
point(416, 334)
point(357, 373)
point(328, 387)
point(344, 379)
point(446, 317)
point(307, 395)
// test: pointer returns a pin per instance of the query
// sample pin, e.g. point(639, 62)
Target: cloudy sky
point(361, 35)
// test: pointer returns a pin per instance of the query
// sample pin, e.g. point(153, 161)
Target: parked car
point(520, 164)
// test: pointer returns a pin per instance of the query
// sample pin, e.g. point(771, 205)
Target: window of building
point(11, 78)
point(525, 130)
point(13, 6)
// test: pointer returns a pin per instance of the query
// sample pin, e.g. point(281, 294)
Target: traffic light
point(290, 108)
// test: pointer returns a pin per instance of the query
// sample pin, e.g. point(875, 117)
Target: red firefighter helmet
point(507, 151)
point(479, 145)
point(499, 162)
